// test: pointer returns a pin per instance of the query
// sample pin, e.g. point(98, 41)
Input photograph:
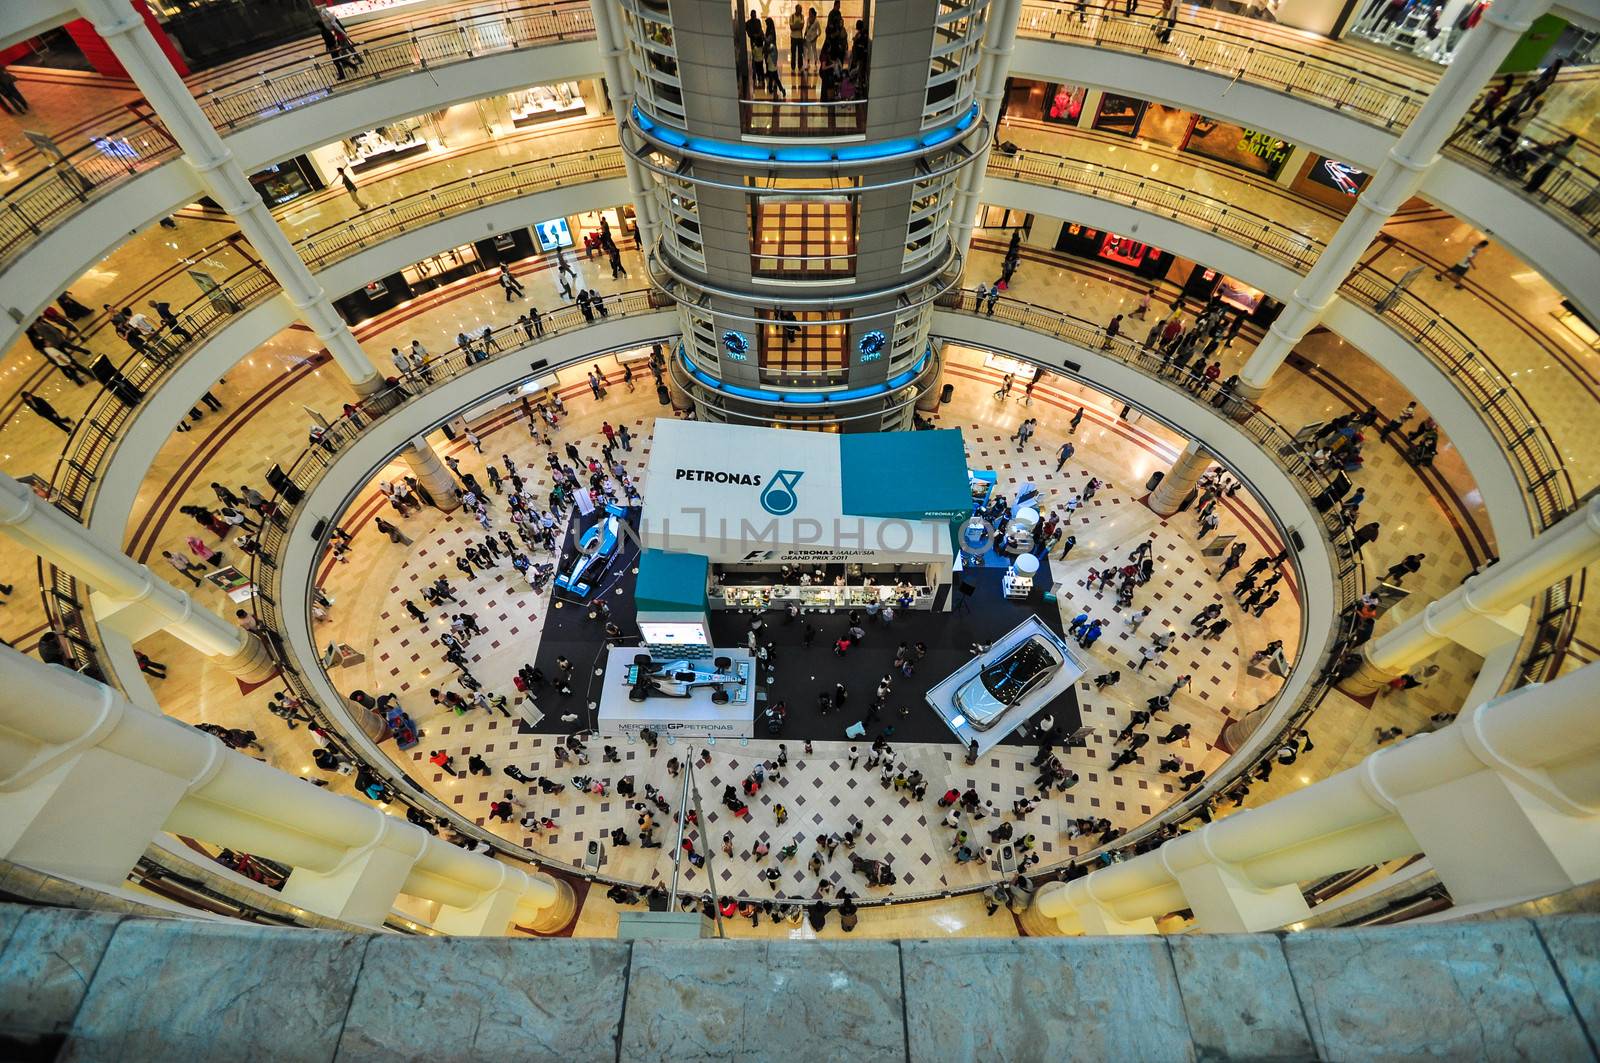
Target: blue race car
point(581, 570)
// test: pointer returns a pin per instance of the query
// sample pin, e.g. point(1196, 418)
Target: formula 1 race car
point(582, 569)
point(650, 678)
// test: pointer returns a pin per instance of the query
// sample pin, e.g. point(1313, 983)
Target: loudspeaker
point(538, 365)
point(1295, 540)
point(318, 528)
point(1071, 367)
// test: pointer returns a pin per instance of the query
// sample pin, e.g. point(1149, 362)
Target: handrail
point(1507, 413)
point(1570, 192)
point(47, 197)
point(313, 461)
point(305, 80)
point(1547, 485)
point(1348, 88)
point(343, 238)
point(249, 285)
point(1280, 242)
point(1541, 737)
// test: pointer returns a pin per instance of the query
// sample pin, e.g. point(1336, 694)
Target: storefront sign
point(740, 495)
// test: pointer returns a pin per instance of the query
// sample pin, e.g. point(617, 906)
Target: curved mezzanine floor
point(1505, 308)
point(328, 205)
point(198, 691)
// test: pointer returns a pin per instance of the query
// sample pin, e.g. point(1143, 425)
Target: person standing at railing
point(11, 97)
point(770, 56)
point(1554, 154)
point(1491, 99)
point(1112, 330)
point(169, 320)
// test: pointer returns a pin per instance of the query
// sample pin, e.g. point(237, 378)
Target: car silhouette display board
point(698, 712)
point(1002, 688)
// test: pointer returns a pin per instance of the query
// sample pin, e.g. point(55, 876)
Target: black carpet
point(803, 673)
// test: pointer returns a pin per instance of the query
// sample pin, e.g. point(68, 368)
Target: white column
point(1416, 151)
point(131, 597)
point(1505, 804)
point(1488, 610)
point(85, 783)
point(130, 40)
point(999, 40)
point(432, 473)
point(608, 35)
point(1175, 486)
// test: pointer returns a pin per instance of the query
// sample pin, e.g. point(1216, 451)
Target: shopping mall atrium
point(909, 529)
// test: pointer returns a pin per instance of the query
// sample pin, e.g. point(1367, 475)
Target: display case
point(546, 103)
point(821, 599)
point(383, 145)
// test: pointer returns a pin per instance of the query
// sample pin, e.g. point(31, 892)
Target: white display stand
point(942, 696)
point(695, 716)
point(1018, 580)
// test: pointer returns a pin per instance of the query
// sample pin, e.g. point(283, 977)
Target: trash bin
point(1155, 480)
point(663, 396)
point(947, 394)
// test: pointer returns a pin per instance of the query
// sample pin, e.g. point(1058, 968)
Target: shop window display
point(1431, 29)
point(1248, 149)
point(383, 145)
point(1119, 114)
point(546, 103)
point(1064, 103)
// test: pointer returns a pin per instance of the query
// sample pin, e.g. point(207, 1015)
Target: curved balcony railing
point(95, 436)
point(49, 196)
point(1247, 228)
point(305, 80)
point(313, 462)
point(1285, 66)
point(385, 221)
point(1548, 487)
point(1570, 191)
point(1341, 80)
point(45, 198)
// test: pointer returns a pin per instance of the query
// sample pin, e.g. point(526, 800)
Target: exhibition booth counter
point(779, 596)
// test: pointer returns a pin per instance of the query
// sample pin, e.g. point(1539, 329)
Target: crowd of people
point(839, 60)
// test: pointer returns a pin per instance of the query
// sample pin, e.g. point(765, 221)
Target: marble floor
point(407, 660)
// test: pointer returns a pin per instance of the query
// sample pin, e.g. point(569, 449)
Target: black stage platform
point(802, 673)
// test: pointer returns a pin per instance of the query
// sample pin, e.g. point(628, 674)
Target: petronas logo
point(779, 497)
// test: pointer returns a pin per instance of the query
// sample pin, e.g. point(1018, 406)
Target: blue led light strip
point(815, 154)
point(803, 398)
